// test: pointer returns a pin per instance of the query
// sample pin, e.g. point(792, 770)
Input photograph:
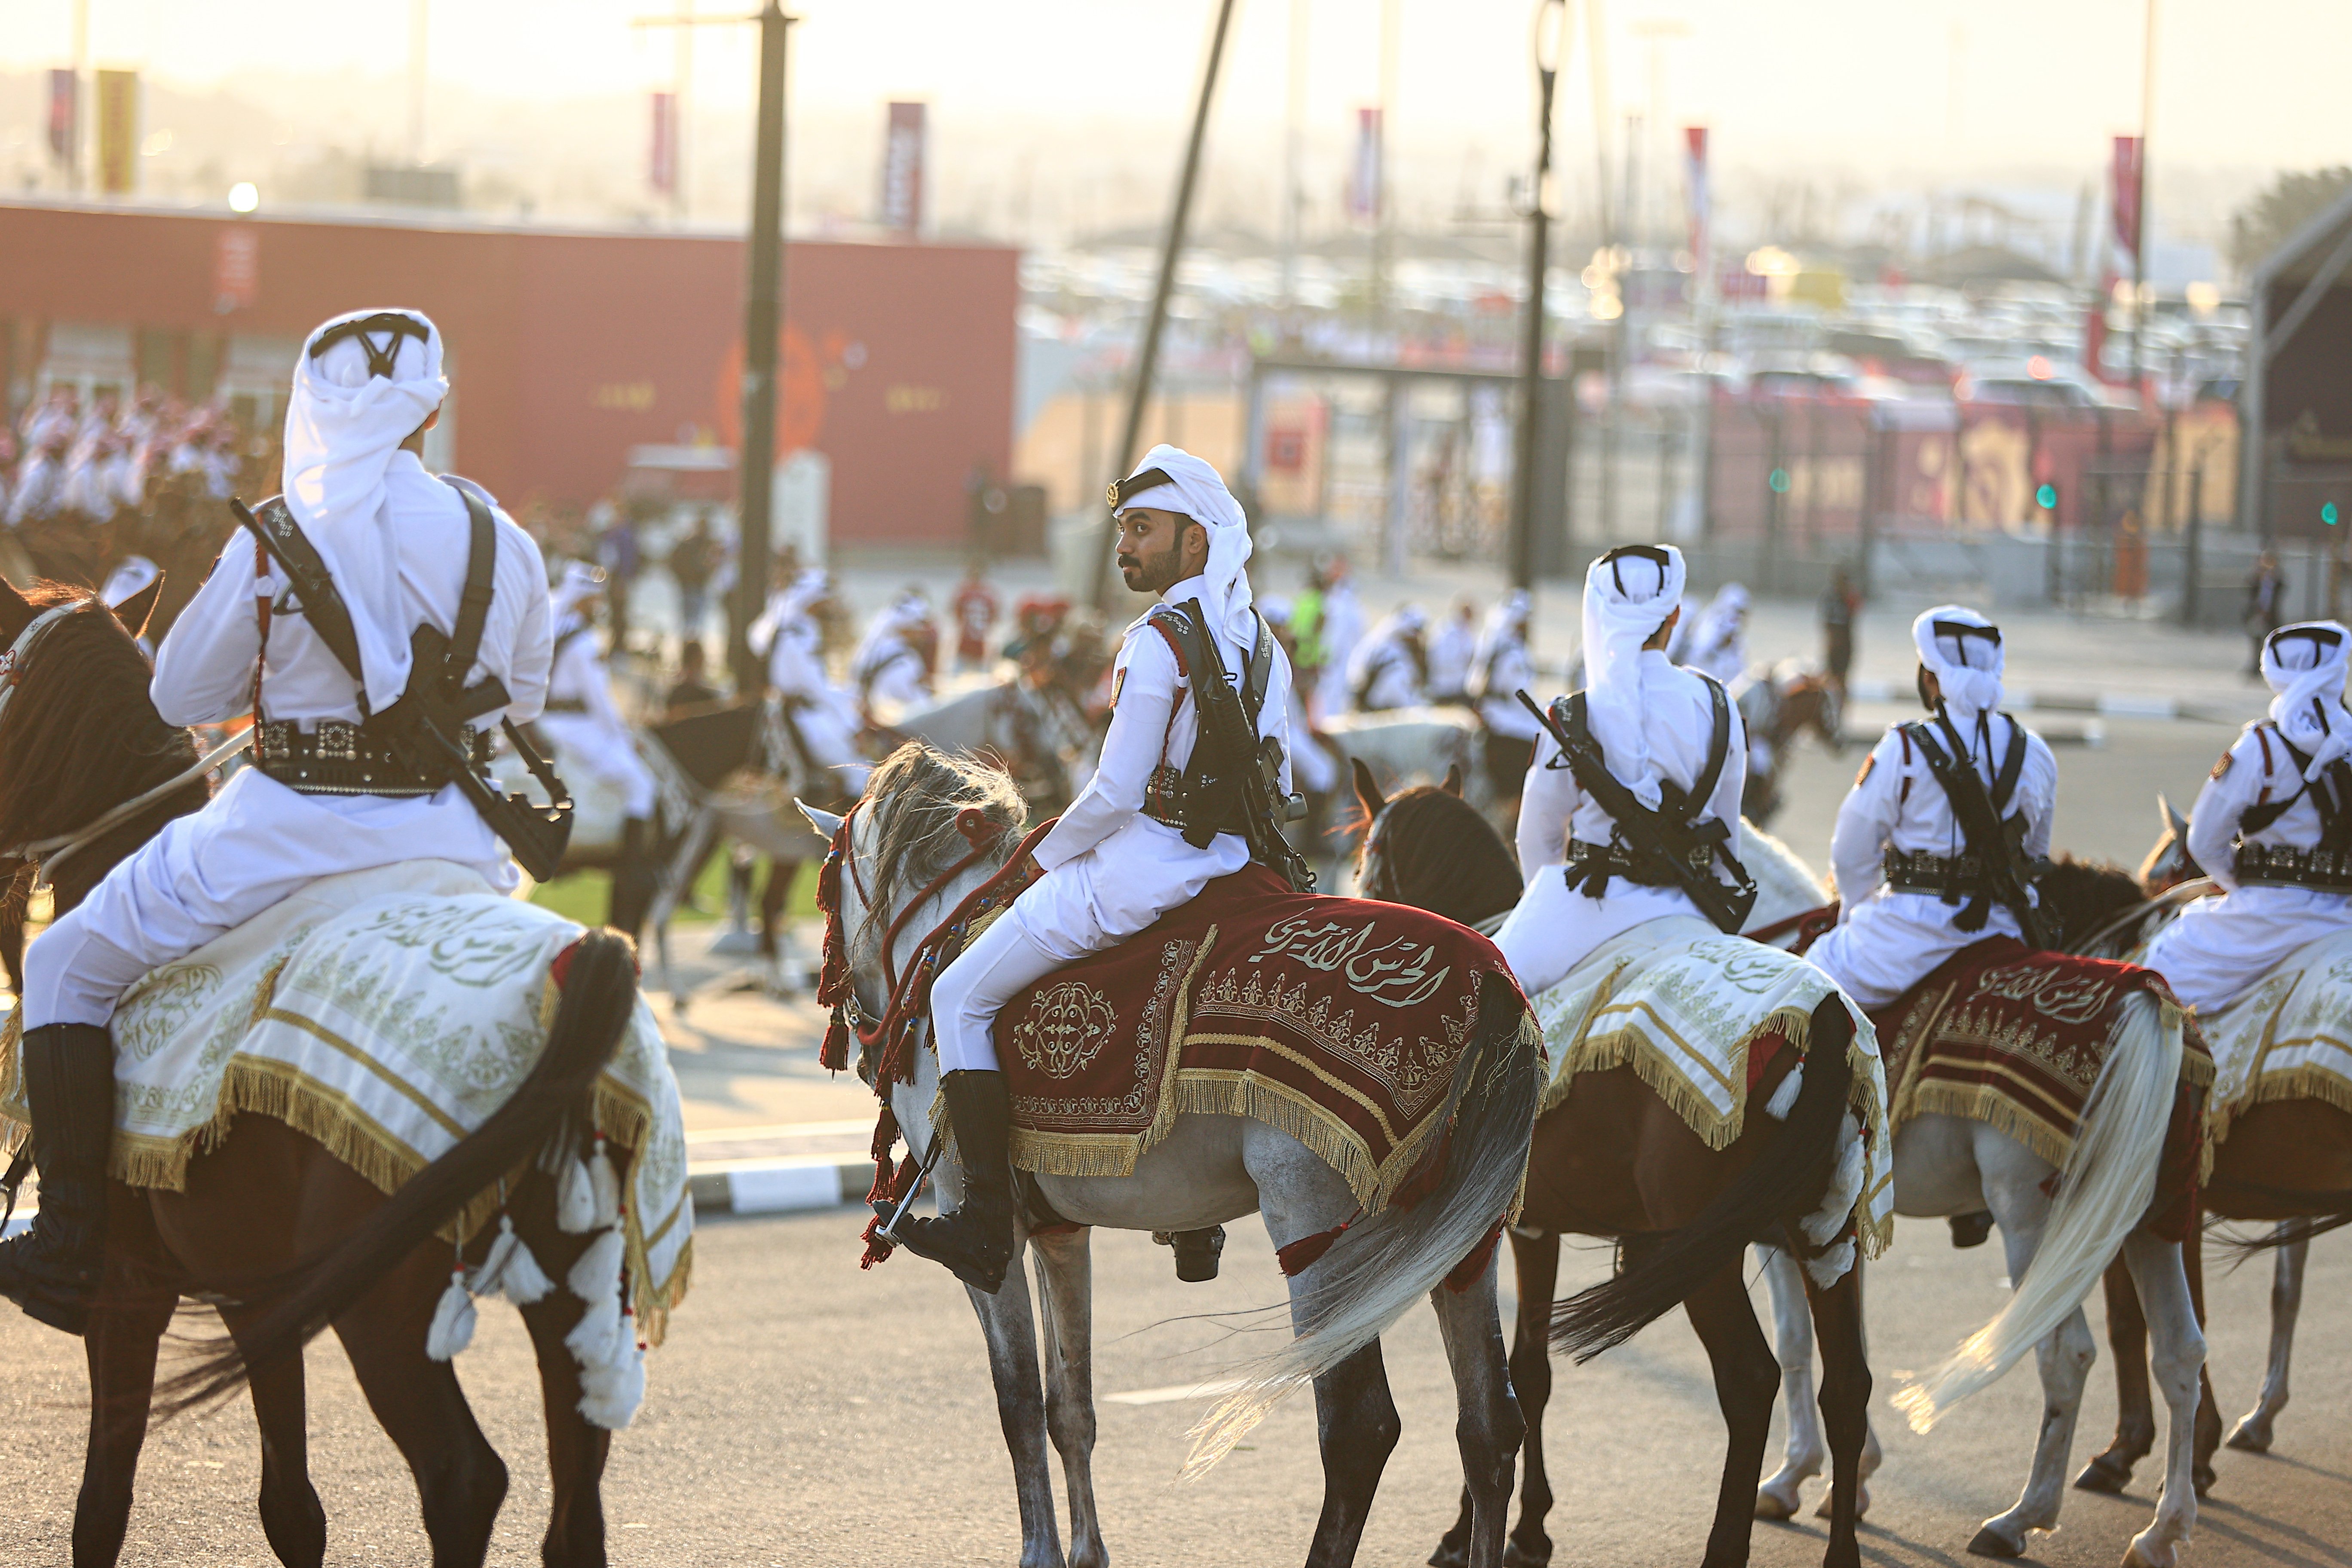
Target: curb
point(2111, 704)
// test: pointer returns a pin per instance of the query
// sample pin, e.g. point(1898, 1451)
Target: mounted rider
point(581, 720)
point(820, 720)
point(1389, 669)
point(1502, 665)
point(1666, 744)
point(2272, 827)
point(1718, 644)
point(1936, 843)
point(1162, 819)
point(893, 661)
point(444, 615)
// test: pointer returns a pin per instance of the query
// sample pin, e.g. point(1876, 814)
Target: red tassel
point(1300, 1255)
point(1466, 1273)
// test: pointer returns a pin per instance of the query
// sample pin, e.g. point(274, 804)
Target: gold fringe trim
point(1631, 1045)
point(1994, 1108)
point(2309, 1081)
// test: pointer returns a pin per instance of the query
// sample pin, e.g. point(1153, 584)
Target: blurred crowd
point(67, 460)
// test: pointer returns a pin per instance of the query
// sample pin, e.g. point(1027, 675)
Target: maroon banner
point(236, 268)
point(661, 159)
point(902, 170)
point(2128, 182)
point(1364, 180)
point(65, 96)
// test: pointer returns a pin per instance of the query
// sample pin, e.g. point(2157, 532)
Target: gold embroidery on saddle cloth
point(1065, 1030)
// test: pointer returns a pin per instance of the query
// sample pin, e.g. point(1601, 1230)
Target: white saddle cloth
point(2287, 1038)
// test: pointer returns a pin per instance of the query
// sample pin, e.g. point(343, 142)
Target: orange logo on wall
point(807, 375)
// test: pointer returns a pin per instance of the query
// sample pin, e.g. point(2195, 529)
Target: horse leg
point(1356, 1426)
point(2065, 1357)
point(120, 1343)
point(1792, 1337)
point(1536, 1255)
point(775, 895)
point(1487, 1425)
point(461, 1480)
point(2254, 1432)
point(2179, 1356)
point(1010, 1326)
point(1845, 1407)
point(1747, 1376)
point(2209, 1409)
point(2134, 1414)
point(291, 1516)
point(576, 1447)
point(1066, 1281)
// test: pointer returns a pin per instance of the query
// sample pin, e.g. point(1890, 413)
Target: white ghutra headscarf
point(351, 407)
point(2306, 663)
point(1962, 650)
point(1195, 489)
point(1628, 595)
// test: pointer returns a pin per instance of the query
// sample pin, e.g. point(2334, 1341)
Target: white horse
point(1038, 733)
point(1208, 1171)
point(1407, 746)
point(2057, 1249)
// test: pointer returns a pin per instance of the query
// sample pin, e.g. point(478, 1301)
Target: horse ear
point(2178, 824)
point(1368, 789)
point(1453, 780)
point(16, 612)
point(826, 823)
point(136, 611)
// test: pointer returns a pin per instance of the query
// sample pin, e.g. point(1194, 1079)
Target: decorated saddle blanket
point(2289, 1038)
point(1340, 1021)
point(1698, 1016)
point(2015, 1038)
point(385, 1014)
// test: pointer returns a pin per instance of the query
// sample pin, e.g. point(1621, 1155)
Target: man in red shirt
point(975, 607)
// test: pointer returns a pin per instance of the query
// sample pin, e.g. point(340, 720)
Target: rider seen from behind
point(585, 725)
point(339, 783)
point(1163, 816)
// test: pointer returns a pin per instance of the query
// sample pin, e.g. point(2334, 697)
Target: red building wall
point(568, 348)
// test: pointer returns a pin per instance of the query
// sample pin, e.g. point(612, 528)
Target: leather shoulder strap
point(322, 602)
point(481, 570)
point(1718, 748)
point(2012, 767)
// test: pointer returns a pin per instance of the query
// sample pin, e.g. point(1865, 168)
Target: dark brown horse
point(286, 1238)
point(1776, 714)
point(1616, 1161)
point(2286, 1161)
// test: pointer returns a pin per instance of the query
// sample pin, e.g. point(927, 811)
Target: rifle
point(1993, 842)
point(1665, 839)
point(423, 725)
point(1258, 761)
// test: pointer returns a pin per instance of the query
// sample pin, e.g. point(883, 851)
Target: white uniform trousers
point(1088, 903)
point(832, 746)
point(1892, 941)
point(608, 754)
point(2221, 947)
point(1554, 926)
point(209, 872)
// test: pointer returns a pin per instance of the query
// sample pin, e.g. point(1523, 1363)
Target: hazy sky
point(1864, 84)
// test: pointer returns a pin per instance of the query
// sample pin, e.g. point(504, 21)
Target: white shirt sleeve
point(1724, 804)
point(203, 672)
point(2213, 820)
point(1865, 821)
point(1547, 801)
point(528, 662)
point(1130, 750)
point(2038, 788)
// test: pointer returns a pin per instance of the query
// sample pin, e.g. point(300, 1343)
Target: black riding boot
point(52, 1270)
point(634, 881)
point(1970, 1229)
point(1196, 1251)
point(976, 1241)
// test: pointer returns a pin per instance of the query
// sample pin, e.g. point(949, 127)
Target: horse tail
point(1786, 1181)
point(2104, 1191)
point(2323, 1211)
point(599, 990)
point(1379, 1267)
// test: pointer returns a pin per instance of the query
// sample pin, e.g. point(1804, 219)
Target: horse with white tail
point(936, 848)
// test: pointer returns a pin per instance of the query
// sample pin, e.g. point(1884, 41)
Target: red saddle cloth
point(2015, 1038)
point(1337, 1020)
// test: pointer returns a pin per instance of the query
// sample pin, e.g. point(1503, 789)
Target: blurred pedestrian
point(1502, 668)
point(975, 607)
point(616, 552)
point(1338, 627)
point(692, 689)
point(2131, 558)
point(1451, 650)
point(2265, 608)
point(1840, 603)
point(691, 561)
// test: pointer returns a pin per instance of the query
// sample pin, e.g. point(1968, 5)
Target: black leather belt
point(341, 758)
point(1165, 799)
point(1616, 860)
point(1937, 874)
point(2281, 866)
point(564, 705)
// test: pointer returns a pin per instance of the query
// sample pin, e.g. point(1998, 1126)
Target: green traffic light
point(2328, 515)
point(2046, 498)
point(1778, 481)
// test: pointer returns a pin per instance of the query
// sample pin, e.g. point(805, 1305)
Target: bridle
point(983, 834)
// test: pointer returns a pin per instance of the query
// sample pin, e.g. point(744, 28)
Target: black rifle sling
point(1718, 747)
point(1974, 808)
point(2333, 805)
point(1649, 833)
point(314, 587)
point(473, 615)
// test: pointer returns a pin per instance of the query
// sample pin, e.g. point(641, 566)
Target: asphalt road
point(806, 1413)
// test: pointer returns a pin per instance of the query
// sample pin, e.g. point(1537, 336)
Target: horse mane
point(80, 736)
point(916, 797)
point(1441, 854)
point(2081, 896)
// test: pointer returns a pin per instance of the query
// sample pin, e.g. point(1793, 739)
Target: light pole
point(1550, 42)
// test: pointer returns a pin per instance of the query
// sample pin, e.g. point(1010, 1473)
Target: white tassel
point(453, 1320)
point(524, 1281)
point(1831, 1266)
point(1844, 1187)
point(598, 1272)
point(1784, 1099)
point(575, 1200)
point(612, 1391)
point(592, 1339)
point(606, 1186)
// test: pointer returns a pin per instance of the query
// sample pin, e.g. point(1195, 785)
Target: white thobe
point(1108, 869)
point(1451, 650)
point(596, 737)
point(1884, 942)
point(1555, 926)
point(258, 841)
point(1382, 676)
point(823, 717)
point(2220, 947)
point(1508, 672)
point(892, 671)
point(1341, 629)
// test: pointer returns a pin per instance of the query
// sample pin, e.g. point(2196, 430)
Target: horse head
point(2082, 899)
point(1429, 848)
point(2168, 864)
point(923, 812)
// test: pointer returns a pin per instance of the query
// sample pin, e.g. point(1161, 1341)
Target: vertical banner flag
point(64, 121)
point(118, 132)
point(236, 268)
point(2127, 193)
point(1696, 193)
point(1364, 180)
point(902, 170)
point(661, 159)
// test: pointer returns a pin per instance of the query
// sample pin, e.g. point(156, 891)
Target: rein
point(20, 652)
point(2179, 893)
point(1813, 922)
point(53, 850)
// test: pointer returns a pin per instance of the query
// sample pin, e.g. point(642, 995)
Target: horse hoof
point(1991, 1543)
point(2250, 1438)
point(1860, 1504)
point(2105, 1474)
point(2201, 1477)
point(1771, 1505)
point(1515, 1555)
point(2136, 1557)
point(1450, 1555)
